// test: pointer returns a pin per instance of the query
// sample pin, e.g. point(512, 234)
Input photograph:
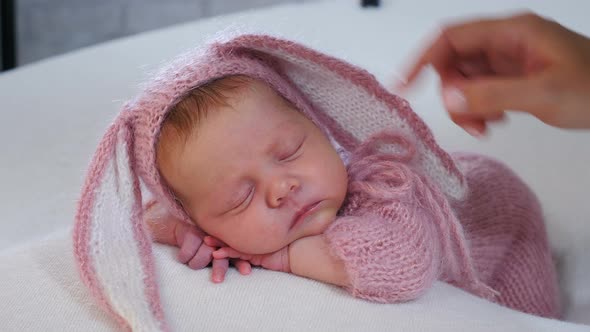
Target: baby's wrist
point(291, 253)
point(296, 250)
point(286, 259)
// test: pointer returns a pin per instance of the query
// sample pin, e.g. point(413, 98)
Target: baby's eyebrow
point(273, 146)
point(289, 127)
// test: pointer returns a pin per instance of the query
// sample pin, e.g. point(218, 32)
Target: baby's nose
point(282, 190)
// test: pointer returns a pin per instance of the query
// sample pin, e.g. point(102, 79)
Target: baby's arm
point(376, 258)
point(310, 257)
point(386, 259)
point(307, 257)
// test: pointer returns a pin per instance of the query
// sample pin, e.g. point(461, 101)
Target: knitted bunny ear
point(350, 103)
point(112, 249)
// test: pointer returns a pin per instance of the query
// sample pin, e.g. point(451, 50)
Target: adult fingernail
point(398, 84)
point(473, 131)
point(454, 100)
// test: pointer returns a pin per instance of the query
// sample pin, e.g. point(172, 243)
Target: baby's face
point(258, 175)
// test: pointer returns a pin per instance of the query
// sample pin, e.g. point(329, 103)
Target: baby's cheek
point(260, 240)
point(323, 219)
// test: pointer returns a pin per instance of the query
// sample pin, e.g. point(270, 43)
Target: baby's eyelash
point(241, 201)
point(291, 154)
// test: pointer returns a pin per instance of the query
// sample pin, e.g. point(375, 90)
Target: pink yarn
point(397, 232)
point(504, 225)
point(357, 76)
point(81, 231)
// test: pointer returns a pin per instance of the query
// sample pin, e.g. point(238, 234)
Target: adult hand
point(521, 63)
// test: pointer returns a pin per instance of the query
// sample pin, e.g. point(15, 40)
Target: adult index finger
point(454, 42)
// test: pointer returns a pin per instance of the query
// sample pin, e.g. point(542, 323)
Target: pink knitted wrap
point(413, 215)
point(397, 233)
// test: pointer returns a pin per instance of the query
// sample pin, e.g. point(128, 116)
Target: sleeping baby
point(262, 179)
point(268, 153)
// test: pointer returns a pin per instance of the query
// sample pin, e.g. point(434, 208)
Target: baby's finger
point(202, 258)
point(190, 245)
point(244, 267)
point(227, 252)
point(213, 241)
point(220, 267)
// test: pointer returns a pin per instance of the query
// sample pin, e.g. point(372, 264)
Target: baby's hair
point(183, 119)
point(186, 115)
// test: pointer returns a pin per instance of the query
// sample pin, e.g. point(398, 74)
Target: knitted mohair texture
point(413, 214)
point(397, 232)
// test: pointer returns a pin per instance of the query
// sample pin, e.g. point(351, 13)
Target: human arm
point(522, 63)
point(375, 258)
point(308, 257)
point(311, 257)
point(387, 259)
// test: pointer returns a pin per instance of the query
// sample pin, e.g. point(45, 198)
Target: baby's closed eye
point(292, 151)
point(242, 200)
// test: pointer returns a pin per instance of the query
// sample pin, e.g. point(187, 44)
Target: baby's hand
point(193, 252)
point(276, 261)
point(197, 254)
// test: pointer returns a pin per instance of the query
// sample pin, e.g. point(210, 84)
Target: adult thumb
point(485, 97)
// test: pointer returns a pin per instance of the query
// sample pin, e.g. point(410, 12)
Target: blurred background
point(35, 29)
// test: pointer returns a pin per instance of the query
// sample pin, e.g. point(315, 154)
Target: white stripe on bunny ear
point(112, 248)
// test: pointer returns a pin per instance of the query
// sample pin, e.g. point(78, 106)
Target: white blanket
point(55, 111)
point(41, 291)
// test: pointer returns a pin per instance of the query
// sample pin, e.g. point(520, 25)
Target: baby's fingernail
point(217, 279)
point(454, 100)
point(473, 131)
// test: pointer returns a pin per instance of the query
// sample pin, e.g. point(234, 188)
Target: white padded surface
point(54, 113)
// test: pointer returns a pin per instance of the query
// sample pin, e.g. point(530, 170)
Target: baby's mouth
point(303, 213)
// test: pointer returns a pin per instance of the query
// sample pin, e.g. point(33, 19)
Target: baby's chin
point(320, 223)
point(313, 227)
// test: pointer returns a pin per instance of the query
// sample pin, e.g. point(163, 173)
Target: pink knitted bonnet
point(112, 247)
